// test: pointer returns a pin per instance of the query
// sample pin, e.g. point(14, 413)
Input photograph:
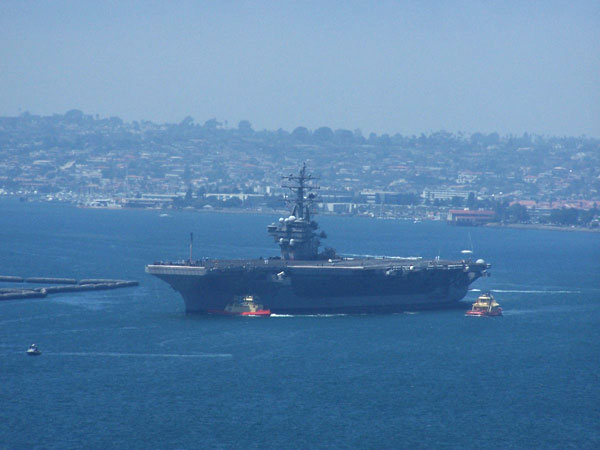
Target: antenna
point(299, 185)
point(191, 245)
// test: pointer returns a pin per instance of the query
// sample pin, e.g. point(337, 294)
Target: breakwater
point(59, 285)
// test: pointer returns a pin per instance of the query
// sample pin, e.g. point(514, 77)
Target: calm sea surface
point(129, 369)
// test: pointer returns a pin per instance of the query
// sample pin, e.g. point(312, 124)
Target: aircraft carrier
point(305, 281)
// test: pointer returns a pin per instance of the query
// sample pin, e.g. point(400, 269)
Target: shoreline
point(539, 226)
point(524, 226)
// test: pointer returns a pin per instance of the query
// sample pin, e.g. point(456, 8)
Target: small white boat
point(33, 350)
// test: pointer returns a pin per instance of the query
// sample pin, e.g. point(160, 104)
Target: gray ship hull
point(308, 287)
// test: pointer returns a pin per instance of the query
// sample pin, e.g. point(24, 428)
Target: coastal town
point(467, 179)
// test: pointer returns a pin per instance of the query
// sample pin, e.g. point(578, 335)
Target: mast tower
point(297, 234)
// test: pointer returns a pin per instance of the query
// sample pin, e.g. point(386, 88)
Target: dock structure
point(11, 279)
point(469, 217)
point(59, 285)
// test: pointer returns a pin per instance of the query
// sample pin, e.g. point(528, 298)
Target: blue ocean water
point(129, 369)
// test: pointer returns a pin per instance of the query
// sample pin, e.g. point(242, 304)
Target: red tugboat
point(245, 306)
point(485, 305)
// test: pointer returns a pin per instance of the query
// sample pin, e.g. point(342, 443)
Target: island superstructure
point(304, 280)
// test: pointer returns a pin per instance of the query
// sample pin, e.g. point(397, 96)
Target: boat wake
point(570, 309)
point(515, 312)
point(93, 303)
point(144, 355)
point(30, 318)
point(355, 255)
point(308, 315)
point(535, 291)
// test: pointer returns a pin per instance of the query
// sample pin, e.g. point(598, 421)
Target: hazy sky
point(383, 66)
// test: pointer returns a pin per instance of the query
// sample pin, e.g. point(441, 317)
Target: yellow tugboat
point(245, 306)
point(485, 305)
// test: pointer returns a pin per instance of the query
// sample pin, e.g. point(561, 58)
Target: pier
point(58, 285)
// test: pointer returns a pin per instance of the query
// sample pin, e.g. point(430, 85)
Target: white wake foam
point(535, 291)
point(308, 315)
point(144, 355)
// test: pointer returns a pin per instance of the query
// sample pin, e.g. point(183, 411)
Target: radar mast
point(297, 234)
point(299, 185)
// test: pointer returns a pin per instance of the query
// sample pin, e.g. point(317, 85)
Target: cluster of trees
point(200, 201)
point(572, 216)
point(108, 132)
point(517, 213)
point(326, 135)
point(514, 213)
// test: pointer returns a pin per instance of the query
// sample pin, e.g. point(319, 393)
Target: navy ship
point(304, 280)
